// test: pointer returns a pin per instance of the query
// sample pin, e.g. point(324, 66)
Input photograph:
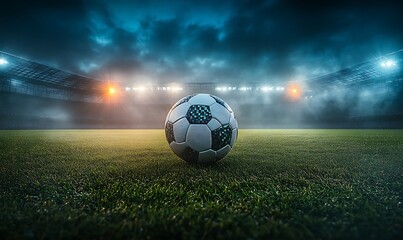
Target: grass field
point(297, 184)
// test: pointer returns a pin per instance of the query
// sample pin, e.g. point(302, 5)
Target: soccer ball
point(201, 128)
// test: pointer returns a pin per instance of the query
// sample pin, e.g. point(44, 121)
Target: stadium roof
point(385, 69)
point(20, 75)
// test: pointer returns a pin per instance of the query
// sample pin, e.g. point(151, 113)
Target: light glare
point(3, 61)
point(388, 63)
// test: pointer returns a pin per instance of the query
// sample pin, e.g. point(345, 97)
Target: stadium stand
point(34, 95)
point(383, 70)
point(22, 76)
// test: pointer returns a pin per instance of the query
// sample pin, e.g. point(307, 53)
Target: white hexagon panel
point(201, 128)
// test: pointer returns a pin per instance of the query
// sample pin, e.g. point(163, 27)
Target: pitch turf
point(274, 184)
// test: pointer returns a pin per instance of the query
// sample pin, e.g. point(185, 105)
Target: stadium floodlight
point(266, 88)
point(293, 92)
point(388, 63)
point(139, 89)
point(3, 61)
point(223, 89)
point(245, 88)
point(112, 90)
point(176, 88)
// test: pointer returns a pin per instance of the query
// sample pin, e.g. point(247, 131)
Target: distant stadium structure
point(382, 71)
point(22, 76)
point(34, 95)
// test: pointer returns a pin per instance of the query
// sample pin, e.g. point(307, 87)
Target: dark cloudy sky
point(208, 41)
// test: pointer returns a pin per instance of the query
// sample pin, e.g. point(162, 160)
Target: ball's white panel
point(229, 108)
point(220, 113)
point(234, 137)
point(208, 156)
point(223, 152)
point(213, 124)
point(198, 137)
point(220, 101)
point(179, 112)
point(178, 148)
point(233, 123)
point(202, 99)
point(180, 128)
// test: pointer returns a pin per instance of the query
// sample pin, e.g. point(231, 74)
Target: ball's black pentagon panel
point(169, 132)
point(190, 155)
point(198, 114)
point(185, 99)
point(221, 102)
point(221, 137)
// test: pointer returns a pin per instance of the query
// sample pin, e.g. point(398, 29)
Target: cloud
point(227, 41)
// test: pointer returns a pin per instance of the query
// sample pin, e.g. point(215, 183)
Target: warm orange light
point(293, 92)
point(112, 90)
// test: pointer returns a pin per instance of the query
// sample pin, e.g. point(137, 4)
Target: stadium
point(66, 100)
point(86, 136)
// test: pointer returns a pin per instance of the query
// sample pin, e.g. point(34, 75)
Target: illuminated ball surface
point(201, 128)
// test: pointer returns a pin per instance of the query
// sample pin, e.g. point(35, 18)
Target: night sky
point(201, 41)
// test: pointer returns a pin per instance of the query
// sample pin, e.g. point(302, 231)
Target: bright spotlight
point(3, 61)
point(245, 88)
point(388, 63)
point(112, 90)
point(279, 88)
point(223, 89)
point(265, 89)
point(111, 93)
point(176, 89)
point(139, 88)
point(293, 92)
